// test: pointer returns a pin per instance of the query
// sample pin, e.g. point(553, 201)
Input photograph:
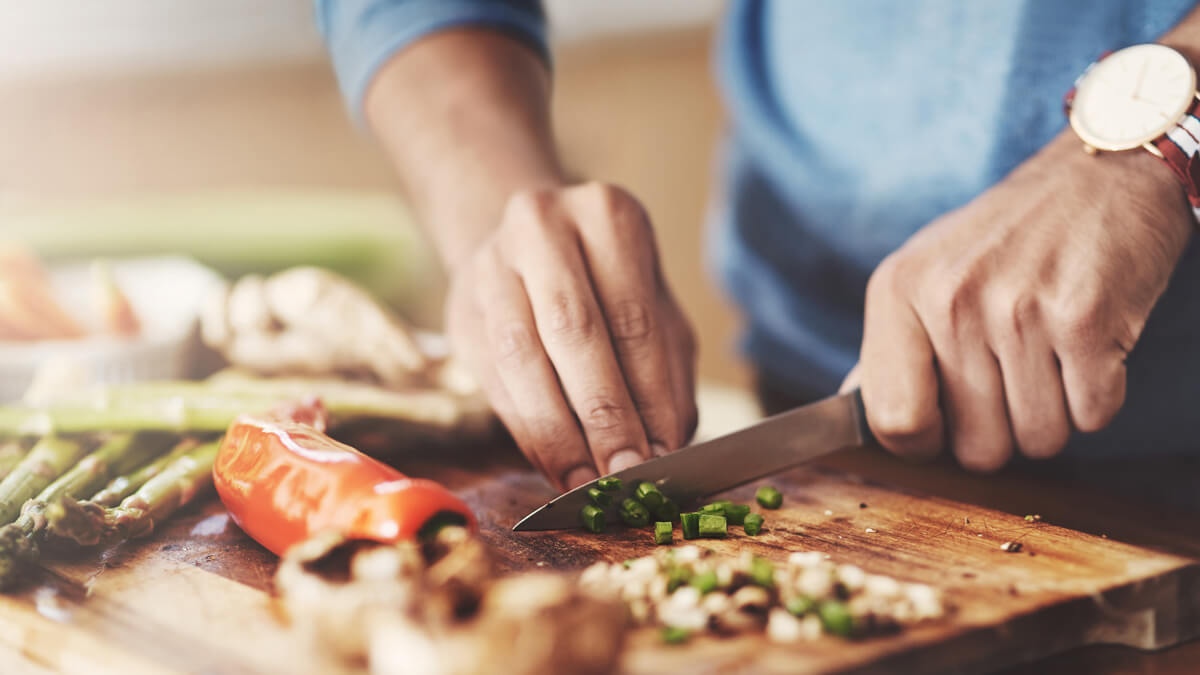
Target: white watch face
point(1133, 96)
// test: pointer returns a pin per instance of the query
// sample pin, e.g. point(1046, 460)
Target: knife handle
point(865, 436)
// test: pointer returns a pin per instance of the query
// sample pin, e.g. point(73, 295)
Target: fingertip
point(917, 447)
point(580, 475)
point(623, 459)
point(981, 457)
point(914, 432)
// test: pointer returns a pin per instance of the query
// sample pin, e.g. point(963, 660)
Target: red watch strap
point(1179, 148)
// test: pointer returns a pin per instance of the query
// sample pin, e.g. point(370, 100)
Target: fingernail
point(580, 475)
point(658, 449)
point(623, 460)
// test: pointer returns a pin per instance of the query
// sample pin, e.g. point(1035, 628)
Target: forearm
point(1185, 36)
point(464, 115)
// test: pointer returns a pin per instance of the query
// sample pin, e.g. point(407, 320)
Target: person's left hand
point(1004, 324)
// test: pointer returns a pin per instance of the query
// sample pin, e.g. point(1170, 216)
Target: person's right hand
point(564, 316)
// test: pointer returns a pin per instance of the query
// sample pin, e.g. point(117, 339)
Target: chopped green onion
point(717, 507)
point(663, 532)
point(627, 563)
point(609, 484)
point(705, 582)
point(592, 517)
point(768, 497)
point(762, 572)
point(801, 605)
point(835, 616)
point(633, 513)
point(752, 524)
point(599, 498)
point(649, 495)
point(673, 635)
point(736, 513)
point(713, 526)
point(668, 511)
point(677, 576)
point(690, 524)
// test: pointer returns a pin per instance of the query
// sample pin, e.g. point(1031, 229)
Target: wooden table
point(191, 598)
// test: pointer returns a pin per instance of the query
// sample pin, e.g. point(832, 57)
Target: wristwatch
point(1144, 95)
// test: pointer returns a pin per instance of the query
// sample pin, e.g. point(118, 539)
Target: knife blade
point(776, 443)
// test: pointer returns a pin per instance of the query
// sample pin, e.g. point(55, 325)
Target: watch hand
point(1137, 85)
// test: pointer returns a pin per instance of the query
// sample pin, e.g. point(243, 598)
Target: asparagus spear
point(120, 454)
point(87, 523)
point(48, 459)
point(125, 484)
point(11, 454)
point(203, 407)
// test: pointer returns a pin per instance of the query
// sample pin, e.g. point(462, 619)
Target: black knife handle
point(860, 417)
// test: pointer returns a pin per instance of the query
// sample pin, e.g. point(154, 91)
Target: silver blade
point(776, 443)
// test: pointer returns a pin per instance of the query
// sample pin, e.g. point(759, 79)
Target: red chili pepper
point(284, 481)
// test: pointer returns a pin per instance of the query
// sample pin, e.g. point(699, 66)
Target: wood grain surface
point(195, 597)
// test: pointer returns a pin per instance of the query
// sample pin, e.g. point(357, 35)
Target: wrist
point(461, 218)
point(1138, 176)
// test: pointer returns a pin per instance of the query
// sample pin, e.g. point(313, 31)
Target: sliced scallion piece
point(634, 513)
point(674, 635)
point(752, 524)
point(677, 576)
point(599, 497)
point(592, 517)
point(736, 513)
point(649, 494)
point(668, 511)
point(762, 572)
point(836, 618)
point(801, 605)
point(705, 582)
point(717, 507)
point(769, 497)
point(690, 524)
point(663, 532)
point(713, 526)
point(610, 484)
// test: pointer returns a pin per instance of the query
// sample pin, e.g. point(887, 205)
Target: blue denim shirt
point(852, 125)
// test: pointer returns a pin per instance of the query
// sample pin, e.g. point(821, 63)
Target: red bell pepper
point(284, 480)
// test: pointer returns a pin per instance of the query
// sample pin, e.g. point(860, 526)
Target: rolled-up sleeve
point(363, 34)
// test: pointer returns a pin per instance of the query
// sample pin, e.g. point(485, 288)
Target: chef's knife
point(776, 443)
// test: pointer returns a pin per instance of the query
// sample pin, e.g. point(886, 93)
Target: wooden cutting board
point(195, 596)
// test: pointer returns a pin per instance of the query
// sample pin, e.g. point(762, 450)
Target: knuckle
point(951, 307)
point(514, 342)
point(885, 279)
point(1081, 327)
point(1017, 314)
point(622, 210)
point(530, 206)
point(603, 414)
point(631, 320)
point(570, 319)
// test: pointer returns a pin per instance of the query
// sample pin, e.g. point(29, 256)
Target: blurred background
point(214, 128)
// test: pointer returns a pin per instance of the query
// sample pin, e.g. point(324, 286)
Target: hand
point(1003, 324)
point(563, 315)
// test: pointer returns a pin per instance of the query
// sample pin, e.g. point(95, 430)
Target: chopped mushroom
point(439, 608)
